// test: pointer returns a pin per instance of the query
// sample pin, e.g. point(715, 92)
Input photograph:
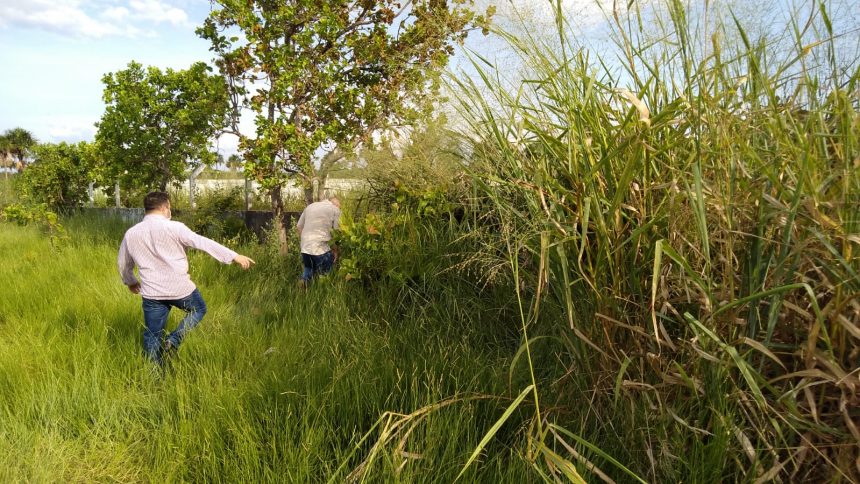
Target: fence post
point(315, 184)
point(116, 194)
point(192, 183)
point(91, 194)
point(247, 194)
point(191, 201)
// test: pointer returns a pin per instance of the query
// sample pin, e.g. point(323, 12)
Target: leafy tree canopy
point(157, 121)
point(319, 73)
point(59, 174)
point(18, 144)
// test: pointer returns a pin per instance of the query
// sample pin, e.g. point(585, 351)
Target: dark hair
point(155, 200)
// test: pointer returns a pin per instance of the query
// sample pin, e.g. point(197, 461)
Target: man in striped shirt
point(157, 247)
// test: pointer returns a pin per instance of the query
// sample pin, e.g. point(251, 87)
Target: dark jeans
point(316, 264)
point(155, 313)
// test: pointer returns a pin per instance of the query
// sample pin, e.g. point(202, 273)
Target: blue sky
point(55, 52)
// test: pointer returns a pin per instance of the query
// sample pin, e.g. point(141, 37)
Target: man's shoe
point(168, 351)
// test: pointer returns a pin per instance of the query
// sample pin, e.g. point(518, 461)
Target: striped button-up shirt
point(157, 247)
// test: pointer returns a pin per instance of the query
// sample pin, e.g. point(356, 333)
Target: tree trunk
point(324, 192)
point(278, 216)
point(164, 169)
point(309, 193)
point(328, 162)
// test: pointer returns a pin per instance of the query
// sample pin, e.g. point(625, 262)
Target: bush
point(38, 215)
point(7, 190)
point(59, 176)
point(412, 199)
point(213, 218)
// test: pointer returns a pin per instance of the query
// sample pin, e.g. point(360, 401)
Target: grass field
point(638, 264)
point(275, 383)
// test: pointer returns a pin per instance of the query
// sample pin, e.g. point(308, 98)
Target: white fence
point(252, 189)
point(290, 190)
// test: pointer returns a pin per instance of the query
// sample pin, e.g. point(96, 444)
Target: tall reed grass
point(275, 385)
point(683, 217)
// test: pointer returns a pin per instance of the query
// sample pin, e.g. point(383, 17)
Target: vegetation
point(321, 74)
point(155, 122)
point(7, 190)
point(637, 267)
point(294, 391)
point(59, 175)
point(691, 241)
point(15, 145)
point(216, 215)
point(38, 215)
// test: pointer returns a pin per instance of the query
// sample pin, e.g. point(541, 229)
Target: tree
point(17, 143)
point(324, 73)
point(5, 155)
point(59, 174)
point(234, 161)
point(156, 122)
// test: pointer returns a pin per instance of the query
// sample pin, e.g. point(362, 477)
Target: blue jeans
point(155, 313)
point(316, 264)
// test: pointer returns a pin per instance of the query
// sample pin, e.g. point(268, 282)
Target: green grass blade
point(495, 428)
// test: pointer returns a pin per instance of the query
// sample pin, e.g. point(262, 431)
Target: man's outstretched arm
point(243, 261)
point(219, 252)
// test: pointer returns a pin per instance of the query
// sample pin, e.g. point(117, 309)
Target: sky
point(54, 53)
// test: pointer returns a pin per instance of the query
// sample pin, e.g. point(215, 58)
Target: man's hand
point(134, 288)
point(243, 261)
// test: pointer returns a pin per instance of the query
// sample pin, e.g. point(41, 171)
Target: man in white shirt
point(314, 228)
point(157, 247)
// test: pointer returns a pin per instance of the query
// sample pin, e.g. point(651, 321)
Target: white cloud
point(70, 128)
point(59, 16)
point(117, 14)
point(92, 19)
point(158, 12)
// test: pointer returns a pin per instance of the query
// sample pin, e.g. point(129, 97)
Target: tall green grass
point(276, 384)
point(7, 190)
point(656, 279)
point(683, 217)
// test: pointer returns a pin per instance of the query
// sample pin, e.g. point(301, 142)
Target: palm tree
point(5, 155)
point(18, 142)
point(234, 162)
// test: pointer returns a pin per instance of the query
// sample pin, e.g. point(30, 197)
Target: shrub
point(59, 176)
point(411, 199)
point(213, 218)
point(38, 215)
